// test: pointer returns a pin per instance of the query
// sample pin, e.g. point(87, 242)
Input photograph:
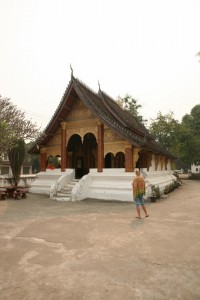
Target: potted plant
point(52, 162)
point(155, 193)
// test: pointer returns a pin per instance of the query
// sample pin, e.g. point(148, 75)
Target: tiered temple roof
point(108, 112)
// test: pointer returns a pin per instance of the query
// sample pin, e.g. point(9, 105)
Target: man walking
point(138, 185)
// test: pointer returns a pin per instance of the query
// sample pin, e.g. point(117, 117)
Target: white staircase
point(65, 193)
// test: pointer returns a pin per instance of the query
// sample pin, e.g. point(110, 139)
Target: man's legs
point(145, 211)
point(138, 211)
point(139, 201)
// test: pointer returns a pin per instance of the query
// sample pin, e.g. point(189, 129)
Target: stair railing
point(57, 186)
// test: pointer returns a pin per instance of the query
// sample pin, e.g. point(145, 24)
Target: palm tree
point(16, 155)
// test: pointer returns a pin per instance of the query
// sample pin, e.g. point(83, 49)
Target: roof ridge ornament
point(72, 72)
point(99, 86)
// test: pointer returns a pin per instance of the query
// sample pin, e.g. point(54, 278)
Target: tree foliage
point(191, 136)
point(131, 105)
point(16, 155)
point(14, 125)
point(166, 130)
point(180, 138)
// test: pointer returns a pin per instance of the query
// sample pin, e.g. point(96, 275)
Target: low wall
point(25, 180)
point(116, 184)
point(111, 184)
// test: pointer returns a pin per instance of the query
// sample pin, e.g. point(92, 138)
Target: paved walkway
point(97, 250)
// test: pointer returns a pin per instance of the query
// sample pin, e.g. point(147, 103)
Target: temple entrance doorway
point(115, 161)
point(82, 154)
point(109, 160)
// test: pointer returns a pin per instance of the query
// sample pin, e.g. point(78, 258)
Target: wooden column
point(162, 161)
point(157, 161)
point(149, 159)
point(129, 159)
point(100, 149)
point(63, 145)
point(135, 156)
point(169, 164)
point(43, 161)
point(144, 159)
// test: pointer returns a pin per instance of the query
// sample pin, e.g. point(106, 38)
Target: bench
point(3, 195)
point(20, 193)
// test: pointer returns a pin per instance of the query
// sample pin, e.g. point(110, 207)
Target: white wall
point(25, 180)
point(116, 184)
point(195, 169)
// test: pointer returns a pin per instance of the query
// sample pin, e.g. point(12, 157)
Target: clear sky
point(146, 48)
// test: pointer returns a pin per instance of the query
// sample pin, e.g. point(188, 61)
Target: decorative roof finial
point(99, 85)
point(72, 75)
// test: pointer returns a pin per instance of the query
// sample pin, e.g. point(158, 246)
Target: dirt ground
point(93, 249)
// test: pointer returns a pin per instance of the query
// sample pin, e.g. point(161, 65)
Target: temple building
point(89, 134)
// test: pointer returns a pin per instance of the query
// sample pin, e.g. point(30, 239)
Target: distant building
point(195, 169)
point(5, 168)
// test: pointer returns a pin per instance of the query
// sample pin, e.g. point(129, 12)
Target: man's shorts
point(139, 200)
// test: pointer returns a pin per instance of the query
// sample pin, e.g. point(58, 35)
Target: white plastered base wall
point(111, 184)
point(116, 184)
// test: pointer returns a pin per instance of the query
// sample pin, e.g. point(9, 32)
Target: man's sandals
point(141, 218)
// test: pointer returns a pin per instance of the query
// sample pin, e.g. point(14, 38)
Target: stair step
point(60, 194)
point(65, 193)
point(70, 185)
point(62, 198)
point(67, 188)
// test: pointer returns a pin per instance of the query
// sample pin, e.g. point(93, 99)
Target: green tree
point(16, 156)
point(14, 125)
point(190, 136)
point(166, 130)
point(182, 139)
point(5, 134)
point(131, 105)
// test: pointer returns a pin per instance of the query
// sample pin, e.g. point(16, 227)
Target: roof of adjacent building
point(107, 111)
